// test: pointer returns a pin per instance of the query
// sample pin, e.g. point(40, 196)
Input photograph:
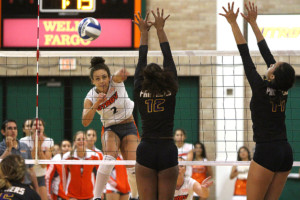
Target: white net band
point(135, 53)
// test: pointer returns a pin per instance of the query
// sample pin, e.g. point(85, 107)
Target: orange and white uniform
point(80, 179)
point(199, 172)
point(241, 181)
point(119, 178)
point(54, 177)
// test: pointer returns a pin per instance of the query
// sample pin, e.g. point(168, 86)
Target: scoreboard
point(59, 20)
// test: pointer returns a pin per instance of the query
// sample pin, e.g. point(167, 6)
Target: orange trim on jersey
point(81, 179)
point(121, 178)
point(50, 175)
point(240, 187)
point(199, 173)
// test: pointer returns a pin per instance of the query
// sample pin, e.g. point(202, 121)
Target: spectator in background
point(11, 145)
point(200, 172)
point(186, 186)
point(54, 175)
point(241, 172)
point(12, 174)
point(91, 135)
point(44, 152)
point(80, 178)
point(26, 127)
point(55, 150)
point(185, 150)
point(117, 187)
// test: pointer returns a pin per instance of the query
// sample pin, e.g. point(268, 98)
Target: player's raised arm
point(144, 27)
point(251, 18)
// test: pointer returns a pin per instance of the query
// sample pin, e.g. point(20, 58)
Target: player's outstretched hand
point(252, 13)
point(159, 20)
point(143, 24)
point(229, 14)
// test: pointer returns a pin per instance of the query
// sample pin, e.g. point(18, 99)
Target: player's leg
point(124, 196)
point(168, 169)
point(167, 183)
point(277, 185)
point(146, 179)
point(110, 145)
point(112, 196)
point(258, 182)
point(128, 148)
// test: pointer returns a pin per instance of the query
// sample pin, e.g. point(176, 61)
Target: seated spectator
point(44, 152)
point(54, 175)
point(11, 145)
point(241, 172)
point(200, 172)
point(186, 186)
point(12, 173)
point(26, 127)
point(55, 150)
point(80, 178)
point(117, 187)
point(185, 150)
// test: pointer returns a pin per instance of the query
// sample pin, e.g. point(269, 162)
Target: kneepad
point(106, 169)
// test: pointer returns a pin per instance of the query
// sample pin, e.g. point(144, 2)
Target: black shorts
point(123, 130)
point(157, 154)
point(41, 181)
point(276, 156)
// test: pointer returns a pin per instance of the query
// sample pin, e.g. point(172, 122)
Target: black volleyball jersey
point(157, 113)
point(19, 191)
point(268, 116)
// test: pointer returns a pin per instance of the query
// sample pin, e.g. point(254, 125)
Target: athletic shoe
point(97, 199)
point(133, 198)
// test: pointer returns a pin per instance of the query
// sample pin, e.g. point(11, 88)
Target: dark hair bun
point(97, 60)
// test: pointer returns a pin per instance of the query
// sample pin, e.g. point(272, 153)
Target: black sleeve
point(266, 53)
point(142, 63)
point(168, 58)
point(253, 77)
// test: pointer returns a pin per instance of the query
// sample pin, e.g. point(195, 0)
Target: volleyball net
point(212, 102)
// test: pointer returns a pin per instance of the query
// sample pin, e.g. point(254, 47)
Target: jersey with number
point(186, 190)
point(267, 114)
point(116, 108)
point(157, 112)
point(19, 191)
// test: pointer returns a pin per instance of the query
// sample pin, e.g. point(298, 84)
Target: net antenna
point(37, 83)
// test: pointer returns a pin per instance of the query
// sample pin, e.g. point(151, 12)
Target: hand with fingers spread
point(159, 22)
point(252, 13)
point(143, 24)
point(229, 14)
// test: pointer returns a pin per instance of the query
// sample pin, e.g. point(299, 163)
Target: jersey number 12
point(155, 105)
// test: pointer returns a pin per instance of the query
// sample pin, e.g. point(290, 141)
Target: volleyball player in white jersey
point(110, 100)
point(186, 186)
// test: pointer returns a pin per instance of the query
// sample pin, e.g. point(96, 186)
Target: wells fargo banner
point(115, 33)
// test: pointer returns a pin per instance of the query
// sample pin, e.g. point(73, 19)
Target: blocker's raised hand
point(229, 14)
point(159, 22)
point(143, 24)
